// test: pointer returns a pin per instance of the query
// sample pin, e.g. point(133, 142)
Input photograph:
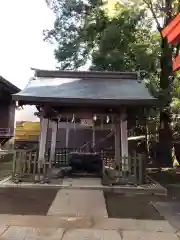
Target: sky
point(21, 43)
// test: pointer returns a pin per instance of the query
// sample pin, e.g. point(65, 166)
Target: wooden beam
point(78, 114)
point(174, 35)
point(171, 25)
point(176, 64)
point(176, 41)
point(63, 125)
point(85, 75)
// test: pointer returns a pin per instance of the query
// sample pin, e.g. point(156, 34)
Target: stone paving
point(78, 202)
point(55, 228)
point(170, 211)
point(82, 215)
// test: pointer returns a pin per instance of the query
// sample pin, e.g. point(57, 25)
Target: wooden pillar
point(93, 137)
point(124, 143)
point(117, 144)
point(11, 118)
point(11, 127)
point(67, 136)
point(42, 143)
point(40, 128)
point(54, 127)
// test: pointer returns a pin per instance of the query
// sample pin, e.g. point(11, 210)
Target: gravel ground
point(5, 167)
point(171, 181)
point(133, 207)
point(24, 201)
point(139, 206)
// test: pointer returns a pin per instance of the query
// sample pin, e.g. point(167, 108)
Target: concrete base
point(91, 184)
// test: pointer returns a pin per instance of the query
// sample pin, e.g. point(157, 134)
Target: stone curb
point(114, 189)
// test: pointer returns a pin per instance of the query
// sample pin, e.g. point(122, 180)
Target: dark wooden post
point(124, 142)
point(117, 144)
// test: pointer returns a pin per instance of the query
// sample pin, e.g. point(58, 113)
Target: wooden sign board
point(87, 122)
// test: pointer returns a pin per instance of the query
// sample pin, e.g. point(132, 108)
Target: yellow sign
point(27, 130)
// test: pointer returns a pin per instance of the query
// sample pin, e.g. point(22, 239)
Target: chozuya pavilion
point(115, 96)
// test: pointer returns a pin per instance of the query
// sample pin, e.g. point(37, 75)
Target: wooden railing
point(26, 165)
point(131, 169)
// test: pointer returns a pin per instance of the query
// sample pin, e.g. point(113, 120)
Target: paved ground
point(84, 203)
point(171, 209)
point(81, 214)
point(56, 228)
point(79, 203)
point(82, 181)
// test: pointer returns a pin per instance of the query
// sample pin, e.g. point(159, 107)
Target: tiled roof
point(85, 87)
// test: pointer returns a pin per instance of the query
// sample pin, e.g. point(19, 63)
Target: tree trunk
point(165, 133)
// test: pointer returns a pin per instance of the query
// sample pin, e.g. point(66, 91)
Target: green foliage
point(74, 32)
point(124, 41)
point(124, 44)
point(162, 13)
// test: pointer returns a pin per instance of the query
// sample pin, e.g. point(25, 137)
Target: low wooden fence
point(26, 165)
point(130, 170)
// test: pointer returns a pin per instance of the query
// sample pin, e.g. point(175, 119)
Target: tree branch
point(150, 6)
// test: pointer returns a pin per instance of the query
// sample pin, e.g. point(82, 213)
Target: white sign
point(87, 122)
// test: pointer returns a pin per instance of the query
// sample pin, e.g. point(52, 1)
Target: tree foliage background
point(125, 36)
